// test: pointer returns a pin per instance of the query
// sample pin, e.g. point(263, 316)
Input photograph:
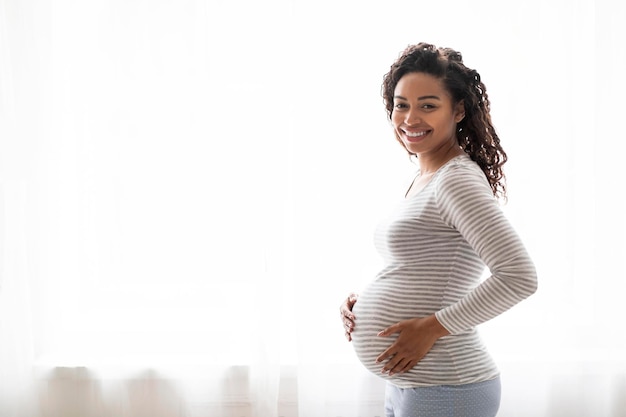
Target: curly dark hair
point(475, 133)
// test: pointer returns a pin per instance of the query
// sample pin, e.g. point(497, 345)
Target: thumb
point(391, 330)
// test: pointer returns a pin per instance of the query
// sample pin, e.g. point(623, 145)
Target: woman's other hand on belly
point(347, 316)
point(415, 339)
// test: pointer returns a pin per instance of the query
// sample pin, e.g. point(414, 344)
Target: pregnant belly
point(383, 303)
point(454, 359)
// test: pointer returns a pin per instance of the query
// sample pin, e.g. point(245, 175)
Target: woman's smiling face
point(424, 116)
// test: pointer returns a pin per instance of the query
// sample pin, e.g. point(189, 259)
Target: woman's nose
point(412, 117)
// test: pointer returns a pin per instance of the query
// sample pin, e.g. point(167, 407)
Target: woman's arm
point(467, 204)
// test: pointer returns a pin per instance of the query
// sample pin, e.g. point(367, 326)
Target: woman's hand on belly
point(415, 339)
point(347, 316)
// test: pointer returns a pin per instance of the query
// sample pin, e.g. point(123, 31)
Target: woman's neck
point(430, 163)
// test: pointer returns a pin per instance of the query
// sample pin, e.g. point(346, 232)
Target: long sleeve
point(466, 203)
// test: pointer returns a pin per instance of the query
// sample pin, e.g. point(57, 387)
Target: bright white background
point(189, 190)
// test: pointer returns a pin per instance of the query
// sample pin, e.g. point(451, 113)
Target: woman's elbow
point(531, 282)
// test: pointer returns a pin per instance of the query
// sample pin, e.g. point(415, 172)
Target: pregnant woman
point(415, 324)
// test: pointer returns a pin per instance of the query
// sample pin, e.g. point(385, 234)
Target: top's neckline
point(432, 177)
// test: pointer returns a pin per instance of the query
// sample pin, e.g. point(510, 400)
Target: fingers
point(345, 313)
point(398, 367)
point(394, 328)
point(388, 353)
point(348, 325)
point(414, 341)
point(397, 363)
point(346, 306)
point(402, 355)
point(391, 330)
point(409, 365)
point(347, 316)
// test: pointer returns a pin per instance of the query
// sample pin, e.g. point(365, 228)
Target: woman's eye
point(399, 106)
point(428, 106)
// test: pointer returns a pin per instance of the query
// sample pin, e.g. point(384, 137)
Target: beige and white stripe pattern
point(436, 245)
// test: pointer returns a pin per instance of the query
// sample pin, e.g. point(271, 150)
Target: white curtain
point(188, 190)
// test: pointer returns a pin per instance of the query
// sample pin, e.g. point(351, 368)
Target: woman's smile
point(415, 136)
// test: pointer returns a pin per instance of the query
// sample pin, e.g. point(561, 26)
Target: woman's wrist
point(435, 326)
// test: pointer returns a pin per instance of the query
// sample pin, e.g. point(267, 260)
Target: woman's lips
point(415, 136)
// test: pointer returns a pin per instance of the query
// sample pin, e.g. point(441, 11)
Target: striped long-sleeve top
point(436, 245)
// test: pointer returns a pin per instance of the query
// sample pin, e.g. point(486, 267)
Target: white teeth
point(414, 134)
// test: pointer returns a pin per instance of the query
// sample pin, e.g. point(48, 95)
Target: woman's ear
point(459, 111)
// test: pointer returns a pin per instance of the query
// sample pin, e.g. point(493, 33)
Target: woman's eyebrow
point(420, 98)
point(429, 97)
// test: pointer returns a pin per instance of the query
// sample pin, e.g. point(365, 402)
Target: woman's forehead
point(419, 84)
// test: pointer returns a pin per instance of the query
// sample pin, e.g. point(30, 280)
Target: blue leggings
point(480, 399)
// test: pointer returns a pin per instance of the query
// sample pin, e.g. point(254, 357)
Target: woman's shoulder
point(461, 173)
point(460, 167)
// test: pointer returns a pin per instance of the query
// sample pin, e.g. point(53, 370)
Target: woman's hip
point(479, 399)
